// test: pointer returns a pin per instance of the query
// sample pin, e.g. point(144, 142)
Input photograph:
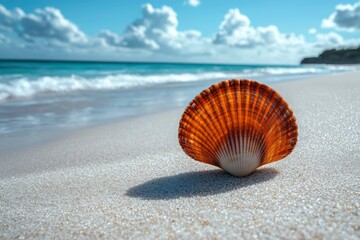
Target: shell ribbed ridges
point(242, 160)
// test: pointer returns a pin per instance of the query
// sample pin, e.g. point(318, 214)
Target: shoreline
point(17, 141)
point(130, 179)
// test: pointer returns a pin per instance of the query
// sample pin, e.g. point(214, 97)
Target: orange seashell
point(238, 125)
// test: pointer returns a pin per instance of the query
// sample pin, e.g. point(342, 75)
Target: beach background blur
point(61, 70)
point(40, 100)
point(91, 93)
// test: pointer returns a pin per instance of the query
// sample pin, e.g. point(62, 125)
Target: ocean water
point(39, 99)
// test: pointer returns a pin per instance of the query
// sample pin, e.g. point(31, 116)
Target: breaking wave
point(23, 86)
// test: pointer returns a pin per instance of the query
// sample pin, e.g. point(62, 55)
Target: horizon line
point(130, 61)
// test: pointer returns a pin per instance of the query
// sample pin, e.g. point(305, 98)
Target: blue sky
point(257, 31)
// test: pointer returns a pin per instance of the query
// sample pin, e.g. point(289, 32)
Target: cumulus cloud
point(346, 17)
point(47, 23)
point(312, 31)
point(110, 38)
point(3, 39)
point(8, 18)
point(334, 40)
point(193, 3)
point(235, 30)
point(327, 40)
point(156, 30)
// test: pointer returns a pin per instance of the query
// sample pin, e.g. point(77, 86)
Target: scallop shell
point(238, 125)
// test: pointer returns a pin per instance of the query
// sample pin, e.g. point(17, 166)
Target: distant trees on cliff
point(336, 56)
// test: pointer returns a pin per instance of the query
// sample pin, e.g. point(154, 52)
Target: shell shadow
point(201, 183)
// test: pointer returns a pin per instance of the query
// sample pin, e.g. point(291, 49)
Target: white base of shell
point(242, 161)
point(241, 165)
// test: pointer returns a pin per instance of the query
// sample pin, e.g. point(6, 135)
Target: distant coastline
point(335, 56)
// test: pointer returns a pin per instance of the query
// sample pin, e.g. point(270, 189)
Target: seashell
point(238, 125)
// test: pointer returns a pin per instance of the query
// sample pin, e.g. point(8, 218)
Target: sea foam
point(26, 86)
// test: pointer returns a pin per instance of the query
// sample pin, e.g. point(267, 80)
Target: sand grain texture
point(131, 180)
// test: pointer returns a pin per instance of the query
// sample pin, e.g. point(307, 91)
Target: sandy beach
point(132, 180)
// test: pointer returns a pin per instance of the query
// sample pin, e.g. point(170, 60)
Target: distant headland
point(335, 56)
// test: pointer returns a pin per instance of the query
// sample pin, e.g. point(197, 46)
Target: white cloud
point(312, 31)
point(235, 30)
point(110, 38)
point(3, 39)
point(346, 17)
point(334, 40)
point(327, 40)
point(156, 30)
point(193, 3)
point(9, 19)
point(48, 24)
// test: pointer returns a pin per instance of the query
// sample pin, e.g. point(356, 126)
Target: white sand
point(132, 180)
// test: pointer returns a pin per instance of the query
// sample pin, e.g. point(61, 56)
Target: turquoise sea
point(40, 98)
